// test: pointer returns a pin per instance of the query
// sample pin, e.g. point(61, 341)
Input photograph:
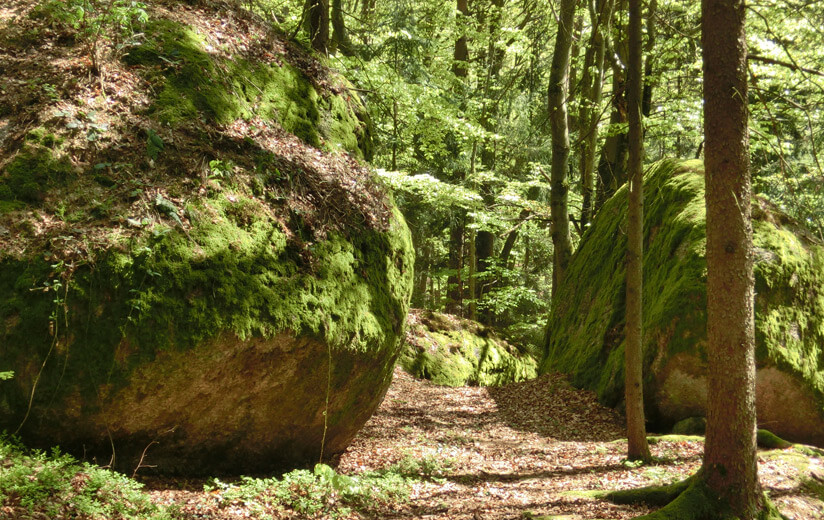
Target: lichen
point(585, 335)
point(463, 355)
point(199, 84)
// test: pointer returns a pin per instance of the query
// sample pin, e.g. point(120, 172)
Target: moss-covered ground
point(585, 335)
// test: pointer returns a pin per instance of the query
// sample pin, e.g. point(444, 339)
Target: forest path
point(508, 452)
point(513, 452)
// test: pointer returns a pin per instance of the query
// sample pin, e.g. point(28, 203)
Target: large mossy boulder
point(185, 286)
point(454, 351)
point(585, 332)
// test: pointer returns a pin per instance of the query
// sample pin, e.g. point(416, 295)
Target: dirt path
point(505, 452)
point(514, 452)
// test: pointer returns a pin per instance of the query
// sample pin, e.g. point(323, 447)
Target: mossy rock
point(453, 351)
point(690, 426)
point(209, 349)
point(585, 335)
point(199, 84)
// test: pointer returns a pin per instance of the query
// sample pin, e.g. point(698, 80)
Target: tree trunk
point(317, 24)
point(593, 83)
point(454, 303)
point(727, 485)
point(557, 93)
point(339, 34)
point(637, 447)
point(730, 451)
point(612, 167)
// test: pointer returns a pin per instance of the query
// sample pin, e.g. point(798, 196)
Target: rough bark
point(729, 456)
point(637, 447)
point(557, 94)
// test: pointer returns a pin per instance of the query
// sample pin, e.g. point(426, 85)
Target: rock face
point(585, 333)
point(237, 302)
point(453, 351)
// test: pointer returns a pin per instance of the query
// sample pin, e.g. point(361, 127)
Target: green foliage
point(321, 493)
point(434, 467)
point(4, 376)
point(55, 485)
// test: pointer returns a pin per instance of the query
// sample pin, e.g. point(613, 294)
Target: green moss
point(31, 173)
point(688, 499)
point(585, 335)
point(198, 84)
point(690, 426)
point(770, 441)
point(457, 356)
point(235, 272)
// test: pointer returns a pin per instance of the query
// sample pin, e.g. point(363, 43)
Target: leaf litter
point(514, 452)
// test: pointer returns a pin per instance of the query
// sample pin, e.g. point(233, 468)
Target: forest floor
point(519, 451)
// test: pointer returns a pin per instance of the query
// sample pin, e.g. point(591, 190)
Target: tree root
point(688, 499)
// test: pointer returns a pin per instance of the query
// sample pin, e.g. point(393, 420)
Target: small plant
point(5, 376)
point(319, 493)
point(34, 484)
point(429, 467)
point(97, 21)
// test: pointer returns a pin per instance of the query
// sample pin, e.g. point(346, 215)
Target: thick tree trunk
point(637, 447)
point(558, 86)
point(729, 455)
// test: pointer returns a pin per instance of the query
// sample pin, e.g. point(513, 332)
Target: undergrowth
point(36, 484)
point(322, 493)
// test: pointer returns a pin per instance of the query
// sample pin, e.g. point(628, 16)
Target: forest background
point(459, 91)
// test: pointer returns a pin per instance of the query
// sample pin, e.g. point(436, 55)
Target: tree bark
point(340, 36)
point(637, 447)
point(557, 93)
point(730, 450)
point(593, 83)
point(317, 24)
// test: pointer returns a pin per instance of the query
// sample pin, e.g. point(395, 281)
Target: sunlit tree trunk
point(557, 98)
point(637, 447)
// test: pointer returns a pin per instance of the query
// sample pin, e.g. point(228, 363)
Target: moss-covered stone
point(217, 343)
point(198, 84)
point(35, 169)
point(452, 351)
point(690, 426)
point(585, 335)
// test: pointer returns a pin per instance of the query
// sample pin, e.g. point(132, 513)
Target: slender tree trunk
point(317, 24)
point(593, 83)
point(339, 34)
point(485, 240)
point(457, 227)
point(558, 86)
point(473, 307)
point(730, 450)
point(637, 447)
point(646, 99)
